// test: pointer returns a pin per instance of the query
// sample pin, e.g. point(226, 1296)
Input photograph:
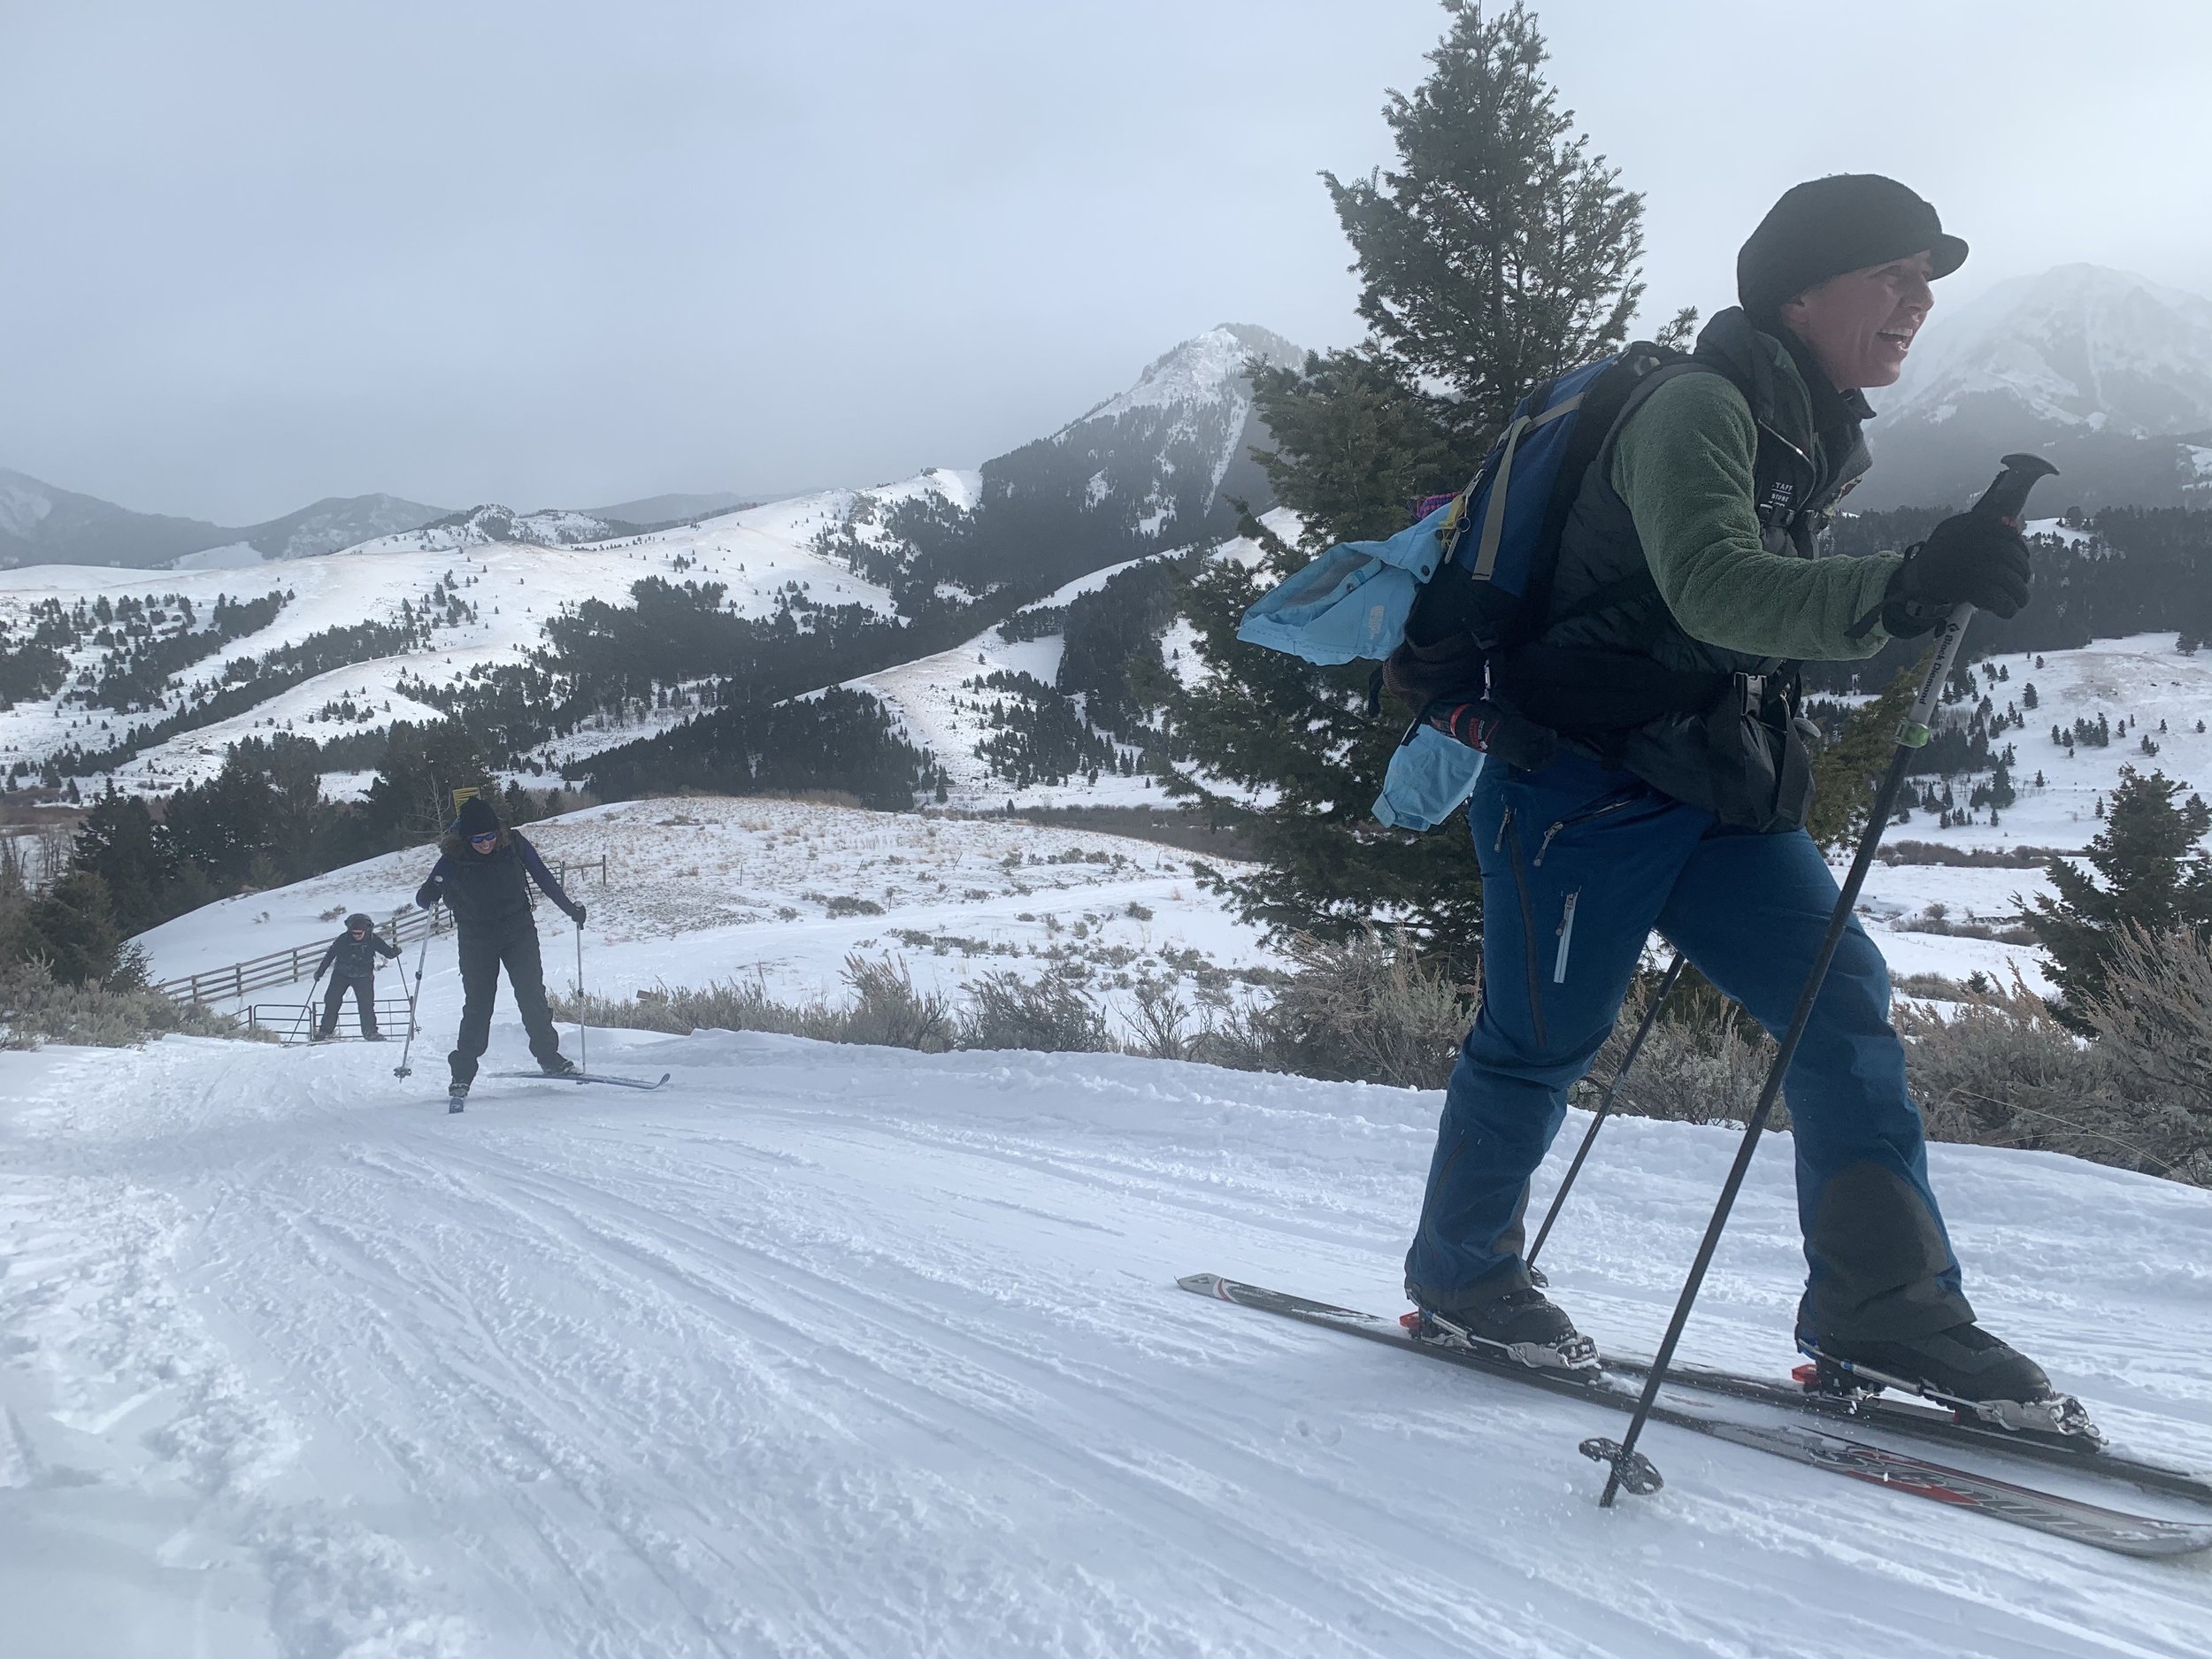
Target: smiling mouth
point(1899, 337)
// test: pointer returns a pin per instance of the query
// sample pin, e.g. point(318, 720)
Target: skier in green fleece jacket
point(1685, 592)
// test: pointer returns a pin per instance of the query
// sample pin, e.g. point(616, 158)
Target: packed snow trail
point(837, 1351)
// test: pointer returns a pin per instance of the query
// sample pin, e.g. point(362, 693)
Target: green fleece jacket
point(1683, 465)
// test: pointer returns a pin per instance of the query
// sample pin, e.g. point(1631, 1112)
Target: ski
point(591, 1077)
point(2047, 1512)
point(2082, 1455)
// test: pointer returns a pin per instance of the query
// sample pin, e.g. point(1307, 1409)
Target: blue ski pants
point(1580, 864)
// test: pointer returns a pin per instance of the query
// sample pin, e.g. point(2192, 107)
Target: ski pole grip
point(2007, 498)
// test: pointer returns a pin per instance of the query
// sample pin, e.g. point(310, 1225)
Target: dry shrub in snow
point(2153, 1025)
point(886, 1010)
point(2000, 1070)
point(1362, 1009)
point(1050, 1015)
point(1704, 1062)
point(34, 1010)
point(1156, 1019)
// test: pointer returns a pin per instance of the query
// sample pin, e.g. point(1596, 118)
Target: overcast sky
point(562, 254)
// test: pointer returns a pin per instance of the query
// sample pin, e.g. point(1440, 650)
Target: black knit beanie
point(476, 817)
point(1826, 226)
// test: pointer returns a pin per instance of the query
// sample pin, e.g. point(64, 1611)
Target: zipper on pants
point(1582, 817)
point(1566, 938)
point(1511, 843)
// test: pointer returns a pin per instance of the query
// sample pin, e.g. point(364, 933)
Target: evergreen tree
point(1846, 771)
point(410, 799)
point(2155, 876)
point(1500, 252)
point(1496, 253)
point(120, 842)
point(72, 928)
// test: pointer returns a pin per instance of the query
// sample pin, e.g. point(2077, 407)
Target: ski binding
point(2061, 1416)
point(1578, 1360)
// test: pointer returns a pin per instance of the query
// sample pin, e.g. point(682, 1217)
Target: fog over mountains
point(2106, 375)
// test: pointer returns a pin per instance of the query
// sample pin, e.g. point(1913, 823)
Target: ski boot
point(559, 1065)
point(1979, 1376)
point(1521, 1327)
point(457, 1095)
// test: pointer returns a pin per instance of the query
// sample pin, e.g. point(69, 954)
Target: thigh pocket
point(1509, 844)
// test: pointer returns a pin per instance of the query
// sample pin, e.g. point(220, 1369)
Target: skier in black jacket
point(483, 871)
point(351, 963)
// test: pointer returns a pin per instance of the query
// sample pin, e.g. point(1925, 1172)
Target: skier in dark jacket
point(1684, 576)
point(482, 874)
point(351, 963)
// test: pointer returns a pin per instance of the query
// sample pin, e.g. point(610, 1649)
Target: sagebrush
point(35, 1009)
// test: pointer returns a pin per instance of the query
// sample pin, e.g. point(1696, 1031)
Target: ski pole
point(414, 997)
point(2003, 499)
point(307, 1008)
point(583, 1052)
point(1605, 1101)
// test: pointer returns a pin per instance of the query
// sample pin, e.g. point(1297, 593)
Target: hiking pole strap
point(1605, 1101)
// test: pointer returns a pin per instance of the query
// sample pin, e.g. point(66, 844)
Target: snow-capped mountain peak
point(2105, 373)
point(2080, 345)
point(1201, 370)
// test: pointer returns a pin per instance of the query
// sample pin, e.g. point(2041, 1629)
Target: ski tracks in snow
point(844, 1352)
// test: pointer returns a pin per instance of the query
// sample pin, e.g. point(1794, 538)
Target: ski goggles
point(490, 838)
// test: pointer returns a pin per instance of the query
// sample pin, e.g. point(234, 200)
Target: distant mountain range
point(2105, 373)
point(41, 525)
point(1154, 464)
point(675, 508)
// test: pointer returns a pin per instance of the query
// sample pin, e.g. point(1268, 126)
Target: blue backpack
point(1496, 541)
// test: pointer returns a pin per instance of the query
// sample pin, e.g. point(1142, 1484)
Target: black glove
point(577, 915)
point(1971, 558)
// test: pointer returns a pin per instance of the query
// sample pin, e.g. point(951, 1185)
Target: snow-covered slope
point(513, 585)
point(481, 526)
point(1146, 472)
point(703, 888)
point(939, 708)
point(832, 1351)
point(2104, 371)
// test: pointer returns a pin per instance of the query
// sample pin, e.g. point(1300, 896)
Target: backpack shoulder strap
point(1642, 368)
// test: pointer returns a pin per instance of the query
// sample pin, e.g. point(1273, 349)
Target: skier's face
point(358, 933)
point(485, 843)
point(1860, 324)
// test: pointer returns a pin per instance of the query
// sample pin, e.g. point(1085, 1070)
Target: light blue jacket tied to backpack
point(1352, 603)
point(1355, 599)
